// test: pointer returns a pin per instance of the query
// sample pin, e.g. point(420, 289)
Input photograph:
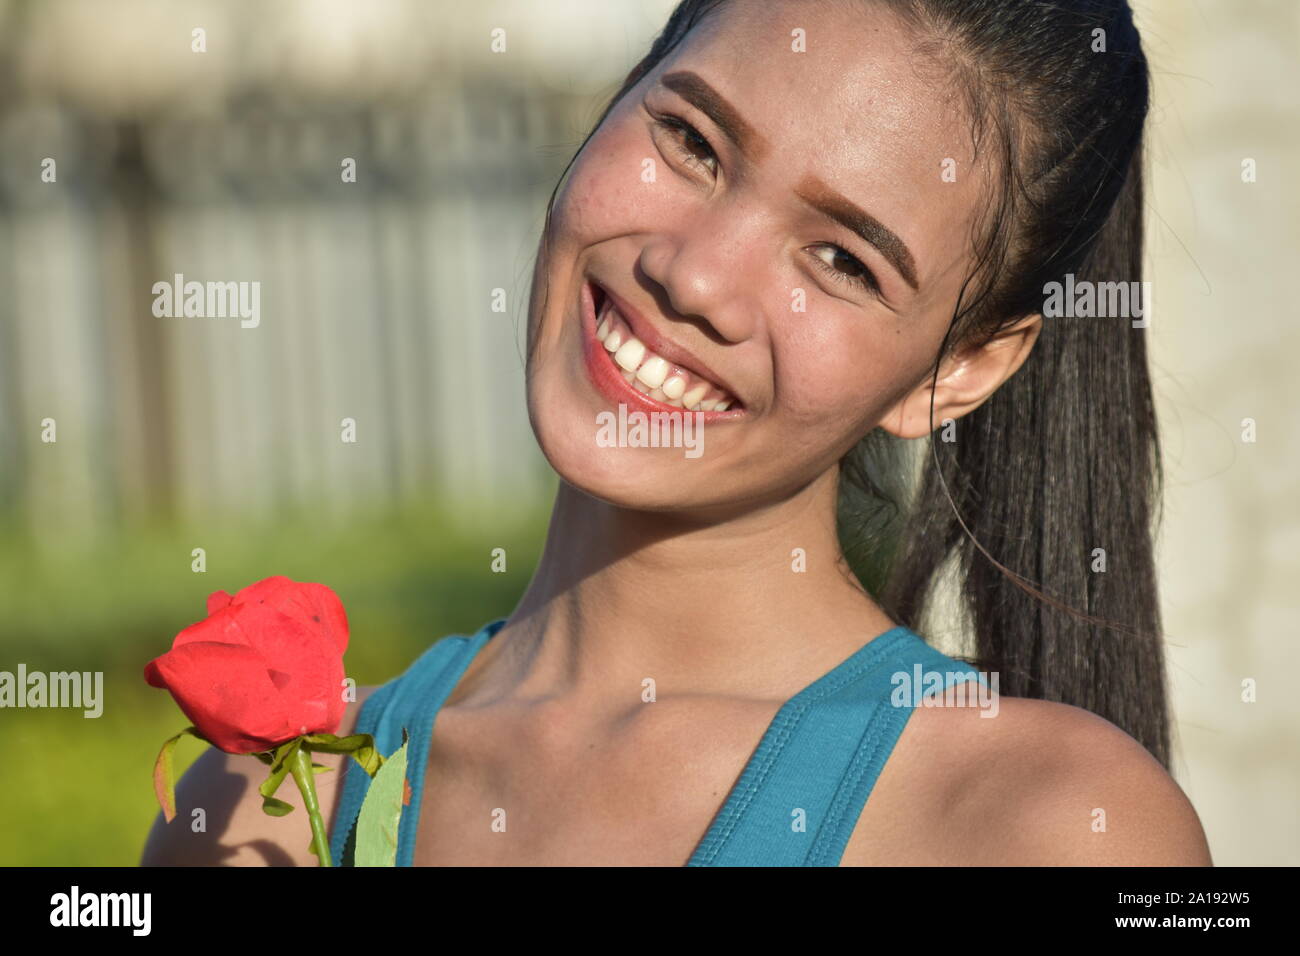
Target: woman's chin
point(593, 451)
point(641, 479)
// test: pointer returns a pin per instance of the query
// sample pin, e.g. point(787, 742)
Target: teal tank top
point(815, 764)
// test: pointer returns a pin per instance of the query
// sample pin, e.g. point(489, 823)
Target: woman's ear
point(966, 380)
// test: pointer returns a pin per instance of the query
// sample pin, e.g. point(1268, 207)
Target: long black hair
point(1043, 505)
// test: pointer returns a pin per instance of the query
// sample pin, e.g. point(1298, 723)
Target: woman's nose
point(700, 276)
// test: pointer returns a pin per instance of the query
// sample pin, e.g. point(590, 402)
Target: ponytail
point(1056, 476)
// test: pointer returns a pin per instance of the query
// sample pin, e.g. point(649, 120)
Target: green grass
point(77, 790)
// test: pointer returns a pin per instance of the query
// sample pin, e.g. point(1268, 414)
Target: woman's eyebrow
point(872, 231)
point(691, 87)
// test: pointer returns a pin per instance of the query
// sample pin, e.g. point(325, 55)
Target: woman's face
point(786, 230)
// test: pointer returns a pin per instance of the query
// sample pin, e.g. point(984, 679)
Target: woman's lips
point(609, 377)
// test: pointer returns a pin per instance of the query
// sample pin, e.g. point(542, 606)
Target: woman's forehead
point(846, 104)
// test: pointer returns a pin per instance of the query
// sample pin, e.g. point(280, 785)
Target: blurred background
point(398, 301)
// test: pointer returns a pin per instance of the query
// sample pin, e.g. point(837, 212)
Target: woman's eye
point(693, 148)
point(851, 270)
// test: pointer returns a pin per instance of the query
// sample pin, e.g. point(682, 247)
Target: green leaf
point(369, 758)
point(320, 768)
point(281, 764)
point(284, 753)
point(272, 782)
point(275, 807)
point(360, 746)
point(328, 743)
point(164, 782)
point(381, 812)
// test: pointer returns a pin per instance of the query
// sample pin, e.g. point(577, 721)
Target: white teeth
point(692, 398)
point(653, 371)
point(649, 373)
point(629, 354)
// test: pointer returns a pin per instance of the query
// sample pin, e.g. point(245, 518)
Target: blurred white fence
point(226, 166)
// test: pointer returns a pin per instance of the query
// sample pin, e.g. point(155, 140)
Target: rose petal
point(258, 591)
point(284, 637)
point(322, 607)
point(223, 627)
point(216, 601)
point(308, 669)
point(226, 693)
point(306, 601)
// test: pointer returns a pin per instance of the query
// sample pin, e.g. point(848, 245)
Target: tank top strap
point(411, 701)
point(800, 797)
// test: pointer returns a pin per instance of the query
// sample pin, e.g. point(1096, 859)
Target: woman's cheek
point(603, 196)
point(823, 376)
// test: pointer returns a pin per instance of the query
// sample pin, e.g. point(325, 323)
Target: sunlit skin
point(712, 251)
point(679, 569)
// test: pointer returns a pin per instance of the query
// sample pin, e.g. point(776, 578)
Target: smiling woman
point(824, 227)
point(765, 227)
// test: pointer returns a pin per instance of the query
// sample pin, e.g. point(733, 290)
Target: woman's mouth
point(628, 370)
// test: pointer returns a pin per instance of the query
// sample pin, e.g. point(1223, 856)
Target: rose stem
point(302, 775)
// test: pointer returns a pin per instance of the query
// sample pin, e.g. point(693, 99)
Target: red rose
point(264, 667)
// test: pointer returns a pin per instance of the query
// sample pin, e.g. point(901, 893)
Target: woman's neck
point(759, 605)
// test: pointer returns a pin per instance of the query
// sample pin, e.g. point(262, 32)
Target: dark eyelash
point(867, 280)
point(675, 124)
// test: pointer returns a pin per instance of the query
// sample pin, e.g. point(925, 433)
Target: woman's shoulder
point(232, 829)
point(1034, 782)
